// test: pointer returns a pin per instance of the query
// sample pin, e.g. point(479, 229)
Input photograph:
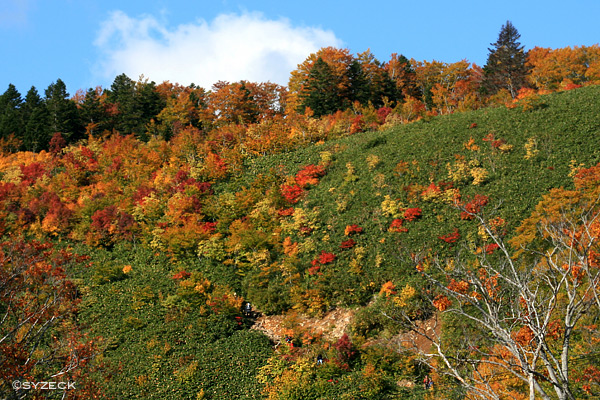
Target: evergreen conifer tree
point(505, 67)
point(35, 117)
point(11, 119)
point(377, 83)
point(137, 103)
point(122, 95)
point(93, 117)
point(62, 112)
point(358, 88)
point(321, 92)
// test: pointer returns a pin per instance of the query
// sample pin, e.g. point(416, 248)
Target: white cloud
point(230, 48)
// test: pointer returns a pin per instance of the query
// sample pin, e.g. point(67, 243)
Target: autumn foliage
point(40, 336)
point(190, 178)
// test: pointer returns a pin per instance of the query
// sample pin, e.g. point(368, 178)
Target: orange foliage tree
point(448, 87)
point(553, 69)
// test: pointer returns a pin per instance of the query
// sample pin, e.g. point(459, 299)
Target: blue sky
point(88, 42)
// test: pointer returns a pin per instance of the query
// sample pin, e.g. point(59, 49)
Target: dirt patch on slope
point(331, 326)
point(335, 323)
point(412, 340)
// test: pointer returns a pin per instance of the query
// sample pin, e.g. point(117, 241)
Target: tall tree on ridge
point(122, 95)
point(35, 118)
point(379, 84)
point(505, 67)
point(335, 74)
point(358, 88)
point(92, 113)
point(136, 102)
point(322, 91)
point(402, 74)
point(10, 113)
point(62, 112)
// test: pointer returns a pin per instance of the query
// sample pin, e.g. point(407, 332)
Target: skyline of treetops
point(328, 81)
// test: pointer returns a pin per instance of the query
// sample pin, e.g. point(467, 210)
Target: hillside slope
point(336, 224)
point(458, 151)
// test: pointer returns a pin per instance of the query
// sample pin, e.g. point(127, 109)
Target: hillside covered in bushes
point(155, 253)
point(448, 211)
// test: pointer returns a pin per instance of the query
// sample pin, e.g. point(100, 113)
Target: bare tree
point(514, 315)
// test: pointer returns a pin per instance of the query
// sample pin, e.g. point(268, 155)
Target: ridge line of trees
point(328, 81)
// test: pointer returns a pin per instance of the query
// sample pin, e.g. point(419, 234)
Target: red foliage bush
point(412, 213)
point(181, 176)
point(357, 125)
point(141, 193)
point(451, 237)
point(587, 177)
point(208, 227)
point(30, 173)
point(571, 86)
point(382, 114)
point(183, 181)
point(286, 212)
point(314, 270)
point(352, 229)
point(7, 189)
point(89, 154)
point(102, 219)
point(57, 143)
point(396, 226)
point(490, 248)
point(50, 204)
point(346, 352)
point(324, 258)
point(348, 244)
point(181, 275)
point(309, 175)
point(292, 193)
point(495, 143)
point(111, 224)
point(474, 206)
point(431, 190)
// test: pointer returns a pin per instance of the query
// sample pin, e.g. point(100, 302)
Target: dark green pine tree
point(62, 112)
point(92, 114)
point(505, 67)
point(377, 85)
point(137, 103)
point(403, 78)
point(383, 87)
point(149, 103)
point(321, 92)
point(358, 88)
point(122, 95)
point(35, 116)
point(11, 118)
